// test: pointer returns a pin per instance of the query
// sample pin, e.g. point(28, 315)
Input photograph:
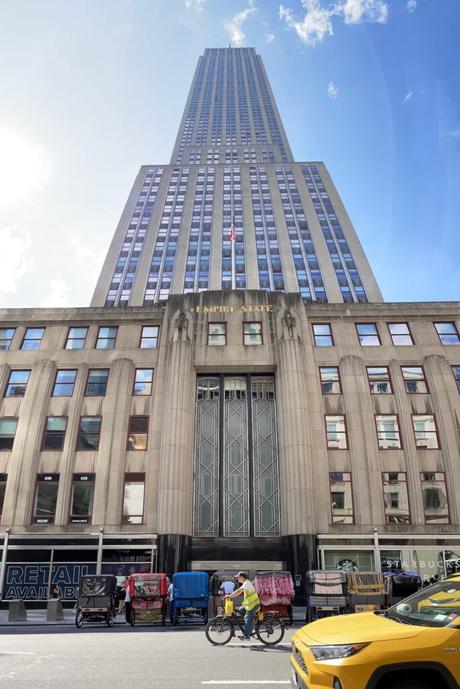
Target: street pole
point(3, 564)
point(100, 546)
point(377, 560)
point(50, 573)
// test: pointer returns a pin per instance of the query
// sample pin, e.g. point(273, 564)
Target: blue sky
point(92, 90)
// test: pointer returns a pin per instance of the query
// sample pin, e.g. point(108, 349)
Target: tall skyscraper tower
point(232, 210)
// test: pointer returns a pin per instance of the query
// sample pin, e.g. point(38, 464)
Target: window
point(17, 384)
point(425, 431)
point(400, 334)
point(330, 380)
point(65, 381)
point(149, 337)
point(217, 333)
point(96, 385)
point(395, 498)
point(379, 380)
point(89, 433)
point(76, 338)
point(322, 334)
point(414, 379)
point(447, 333)
point(252, 333)
point(33, 338)
point(46, 498)
point(435, 503)
point(336, 433)
point(81, 503)
point(6, 335)
point(55, 427)
point(388, 437)
point(106, 337)
point(3, 478)
point(138, 432)
point(456, 372)
point(8, 426)
point(133, 499)
point(341, 498)
point(368, 335)
point(143, 381)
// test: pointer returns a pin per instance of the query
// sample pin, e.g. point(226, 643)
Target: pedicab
point(148, 594)
point(275, 589)
point(326, 594)
point(191, 596)
point(96, 600)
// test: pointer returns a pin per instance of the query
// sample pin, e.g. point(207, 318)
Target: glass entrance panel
point(206, 479)
point(266, 474)
point(236, 458)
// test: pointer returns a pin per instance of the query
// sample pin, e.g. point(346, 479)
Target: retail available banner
point(30, 581)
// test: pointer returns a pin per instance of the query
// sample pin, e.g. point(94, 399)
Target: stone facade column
point(297, 485)
point(175, 495)
point(110, 468)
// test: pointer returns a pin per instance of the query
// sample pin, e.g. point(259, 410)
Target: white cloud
point(18, 153)
point(234, 26)
point(269, 37)
point(58, 293)
point(15, 258)
point(197, 5)
point(332, 91)
point(315, 24)
point(357, 11)
point(318, 18)
point(407, 97)
point(411, 5)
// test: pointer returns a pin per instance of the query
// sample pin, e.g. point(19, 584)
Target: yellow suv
point(413, 645)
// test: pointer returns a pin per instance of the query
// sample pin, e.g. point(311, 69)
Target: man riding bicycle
point(251, 602)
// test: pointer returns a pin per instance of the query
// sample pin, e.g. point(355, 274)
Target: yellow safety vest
point(251, 600)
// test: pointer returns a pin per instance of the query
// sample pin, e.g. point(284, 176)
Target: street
point(136, 658)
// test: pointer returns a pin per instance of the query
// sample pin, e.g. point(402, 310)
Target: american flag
point(232, 233)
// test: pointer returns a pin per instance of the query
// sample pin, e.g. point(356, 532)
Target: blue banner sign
point(30, 581)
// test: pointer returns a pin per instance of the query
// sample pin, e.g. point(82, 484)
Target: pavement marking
point(246, 681)
point(17, 653)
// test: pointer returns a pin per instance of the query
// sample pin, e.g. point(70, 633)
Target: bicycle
point(269, 628)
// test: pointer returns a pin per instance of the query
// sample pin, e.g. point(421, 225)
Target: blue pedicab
point(191, 596)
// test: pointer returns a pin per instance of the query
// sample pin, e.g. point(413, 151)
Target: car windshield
point(434, 606)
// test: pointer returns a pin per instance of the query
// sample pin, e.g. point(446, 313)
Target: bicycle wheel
point(219, 630)
point(79, 618)
point(270, 630)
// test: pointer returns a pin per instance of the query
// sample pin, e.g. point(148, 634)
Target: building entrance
point(236, 477)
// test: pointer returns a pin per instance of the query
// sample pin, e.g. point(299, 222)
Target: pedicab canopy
point(191, 589)
point(97, 585)
point(148, 585)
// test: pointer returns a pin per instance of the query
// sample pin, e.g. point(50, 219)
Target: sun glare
point(24, 167)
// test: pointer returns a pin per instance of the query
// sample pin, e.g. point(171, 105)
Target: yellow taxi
point(413, 645)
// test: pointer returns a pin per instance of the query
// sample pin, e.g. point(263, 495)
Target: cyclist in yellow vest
point(251, 602)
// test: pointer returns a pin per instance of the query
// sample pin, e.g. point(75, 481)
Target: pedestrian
point(171, 603)
point(251, 602)
point(227, 588)
point(55, 591)
point(127, 601)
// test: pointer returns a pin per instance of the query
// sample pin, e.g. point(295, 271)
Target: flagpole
point(233, 264)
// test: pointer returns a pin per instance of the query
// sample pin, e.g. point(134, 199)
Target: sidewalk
point(38, 618)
